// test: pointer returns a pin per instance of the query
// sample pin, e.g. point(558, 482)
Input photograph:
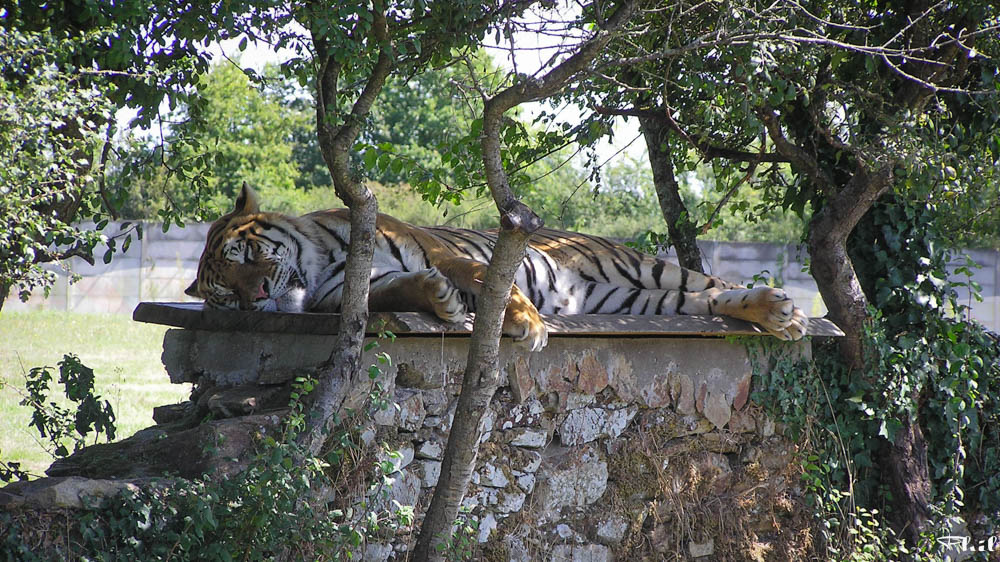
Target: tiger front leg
point(426, 290)
point(443, 297)
point(770, 308)
point(521, 319)
point(522, 322)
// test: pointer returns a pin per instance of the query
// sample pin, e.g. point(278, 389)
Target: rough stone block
point(71, 492)
point(493, 476)
point(593, 374)
point(581, 553)
point(407, 412)
point(525, 414)
point(526, 482)
point(429, 472)
point(431, 449)
point(717, 408)
point(436, 402)
point(578, 480)
point(587, 424)
point(377, 552)
point(487, 524)
point(400, 456)
point(527, 437)
point(520, 380)
point(702, 549)
point(742, 422)
point(612, 529)
point(682, 390)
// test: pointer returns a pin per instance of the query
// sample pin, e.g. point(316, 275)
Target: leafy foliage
point(265, 511)
point(229, 133)
point(52, 133)
point(57, 424)
point(926, 364)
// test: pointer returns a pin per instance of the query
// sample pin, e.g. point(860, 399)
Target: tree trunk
point(517, 223)
point(479, 383)
point(909, 480)
point(343, 369)
point(4, 292)
point(905, 458)
point(832, 267)
point(683, 233)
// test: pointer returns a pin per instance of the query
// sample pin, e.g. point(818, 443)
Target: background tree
point(48, 146)
point(92, 58)
point(230, 133)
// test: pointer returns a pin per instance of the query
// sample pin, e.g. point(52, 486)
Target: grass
point(124, 355)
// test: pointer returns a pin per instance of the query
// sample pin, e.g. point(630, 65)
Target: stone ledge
point(194, 316)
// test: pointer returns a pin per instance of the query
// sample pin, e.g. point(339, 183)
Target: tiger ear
point(247, 203)
point(192, 290)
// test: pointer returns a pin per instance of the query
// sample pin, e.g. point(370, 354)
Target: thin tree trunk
point(4, 293)
point(683, 233)
point(517, 223)
point(479, 384)
point(344, 367)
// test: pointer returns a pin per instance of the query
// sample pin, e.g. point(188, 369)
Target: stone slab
point(194, 316)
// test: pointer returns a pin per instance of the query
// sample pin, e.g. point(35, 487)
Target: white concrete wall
point(160, 266)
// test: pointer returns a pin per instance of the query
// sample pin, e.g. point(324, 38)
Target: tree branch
point(794, 153)
point(708, 151)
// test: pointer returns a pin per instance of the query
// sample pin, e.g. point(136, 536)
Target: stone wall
point(634, 446)
point(610, 449)
point(628, 446)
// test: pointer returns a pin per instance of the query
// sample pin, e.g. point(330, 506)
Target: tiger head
point(249, 261)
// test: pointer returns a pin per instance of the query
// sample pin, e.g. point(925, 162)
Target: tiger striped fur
point(257, 260)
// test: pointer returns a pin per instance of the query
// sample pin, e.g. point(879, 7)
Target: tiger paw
point(774, 311)
point(445, 299)
point(523, 323)
point(768, 307)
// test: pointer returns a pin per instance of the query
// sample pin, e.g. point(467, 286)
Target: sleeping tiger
point(256, 260)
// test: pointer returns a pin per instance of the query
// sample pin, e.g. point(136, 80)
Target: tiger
point(267, 261)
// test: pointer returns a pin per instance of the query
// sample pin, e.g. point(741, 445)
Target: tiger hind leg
point(768, 307)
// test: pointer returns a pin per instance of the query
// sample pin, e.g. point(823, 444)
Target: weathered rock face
point(596, 449)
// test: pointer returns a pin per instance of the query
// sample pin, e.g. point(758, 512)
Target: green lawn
point(124, 355)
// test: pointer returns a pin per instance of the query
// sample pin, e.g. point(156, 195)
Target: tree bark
point(905, 458)
point(517, 222)
point(683, 233)
point(831, 266)
point(909, 479)
point(907, 471)
point(4, 292)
